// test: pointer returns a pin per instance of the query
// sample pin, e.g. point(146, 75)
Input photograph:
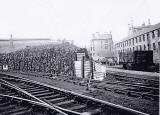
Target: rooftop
point(25, 39)
point(142, 30)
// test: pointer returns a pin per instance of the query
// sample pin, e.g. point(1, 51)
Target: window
point(154, 46)
point(133, 41)
point(148, 47)
point(136, 47)
point(136, 40)
point(143, 37)
point(106, 47)
point(153, 36)
point(147, 36)
point(140, 47)
point(140, 39)
point(144, 47)
point(158, 33)
point(130, 42)
point(133, 48)
point(92, 48)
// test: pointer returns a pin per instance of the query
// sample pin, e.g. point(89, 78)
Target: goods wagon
point(138, 60)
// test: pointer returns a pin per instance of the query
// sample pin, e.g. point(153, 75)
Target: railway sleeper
point(82, 84)
point(121, 91)
point(150, 97)
point(154, 92)
point(77, 107)
point(76, 82)
point(50, 97)
point(85, 109)
point(44, 94)
point(99, 87)
point(39, 92)
point(108, 89)
point(134, 94)
point(21, 112)
point(65, 103)
point(14, 94)
point(8, 108)
point(15, 111)
point(32, 88)
point(35, 90)
point(4, 103)
point(8, 92)
point(58, 99)
point(94, 111)
point(26, 86)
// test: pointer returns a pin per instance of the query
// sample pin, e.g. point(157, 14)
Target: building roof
point(99, 39)
point(143, 31)
point(25, 39)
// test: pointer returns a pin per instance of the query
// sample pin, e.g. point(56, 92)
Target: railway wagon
point(138, 60)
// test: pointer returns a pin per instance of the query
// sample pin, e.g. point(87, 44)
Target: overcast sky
point(74, 19)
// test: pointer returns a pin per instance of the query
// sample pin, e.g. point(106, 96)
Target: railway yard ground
point(109, 90)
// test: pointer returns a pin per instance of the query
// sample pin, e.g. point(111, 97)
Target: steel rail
point(25, 92)
point(83, 96)
point(33, 102)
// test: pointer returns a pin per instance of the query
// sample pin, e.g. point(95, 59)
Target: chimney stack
point(149, 22)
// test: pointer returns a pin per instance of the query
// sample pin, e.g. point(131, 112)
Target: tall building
point(145, 37)
point(101, 45)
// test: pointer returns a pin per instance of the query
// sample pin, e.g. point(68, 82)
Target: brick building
point(145, 37)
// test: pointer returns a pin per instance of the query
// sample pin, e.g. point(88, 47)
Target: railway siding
point(144, 103)
point(82, 103)
point(10, 105)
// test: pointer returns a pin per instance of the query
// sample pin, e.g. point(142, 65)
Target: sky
point(74, 19)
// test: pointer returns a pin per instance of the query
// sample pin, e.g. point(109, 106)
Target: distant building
point(145, 37)
point(101, 45)
point(12, 44)
point(66, 41)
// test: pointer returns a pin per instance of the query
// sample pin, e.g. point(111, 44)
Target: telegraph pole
point(11, 41)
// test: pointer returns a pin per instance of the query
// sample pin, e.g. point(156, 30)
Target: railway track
point(145, 89)
point(130, 90)
point(132, 87)
point(10, 105)
point(67, 101)
point(129, 86)
point(7, 89)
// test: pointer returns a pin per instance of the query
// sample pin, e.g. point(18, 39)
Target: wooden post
point(91, 66)
point(82, 67)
